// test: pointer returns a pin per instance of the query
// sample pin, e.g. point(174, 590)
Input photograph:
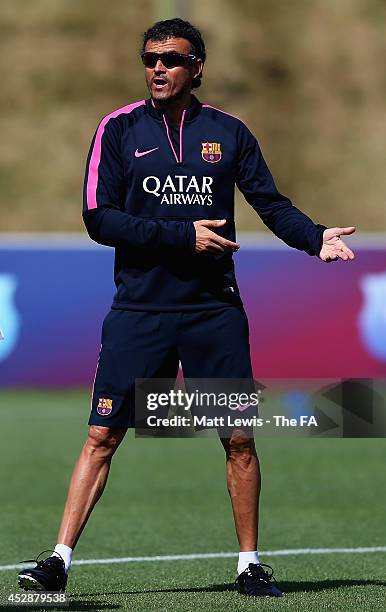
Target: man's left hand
point(333, 247)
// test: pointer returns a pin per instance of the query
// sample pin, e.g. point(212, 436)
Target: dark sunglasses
point(170, 59)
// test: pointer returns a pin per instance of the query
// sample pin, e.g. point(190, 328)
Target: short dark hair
point(178, 28)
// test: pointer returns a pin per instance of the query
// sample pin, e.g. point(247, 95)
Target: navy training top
point(147, 181)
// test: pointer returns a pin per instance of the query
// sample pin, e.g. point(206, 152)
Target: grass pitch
point(169, 497)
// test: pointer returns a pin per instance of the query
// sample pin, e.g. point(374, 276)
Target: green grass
point(169, 497)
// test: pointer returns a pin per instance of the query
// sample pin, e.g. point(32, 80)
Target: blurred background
point(308, 78)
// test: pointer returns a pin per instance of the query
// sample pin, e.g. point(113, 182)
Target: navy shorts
point(140, 344)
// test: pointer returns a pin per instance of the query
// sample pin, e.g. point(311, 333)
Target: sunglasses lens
point(171, 60)
point(149, 59)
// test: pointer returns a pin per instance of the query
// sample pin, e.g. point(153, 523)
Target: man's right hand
point(207, 241)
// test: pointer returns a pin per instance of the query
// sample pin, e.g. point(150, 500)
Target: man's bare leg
point(87, 484)
point(88, 481)
point(243, 480)
point(243, 477)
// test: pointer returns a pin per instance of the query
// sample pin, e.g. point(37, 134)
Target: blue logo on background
point(297, 403)
point(372, 319)
point(9, 317)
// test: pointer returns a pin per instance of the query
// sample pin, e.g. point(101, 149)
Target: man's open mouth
point(159, 83)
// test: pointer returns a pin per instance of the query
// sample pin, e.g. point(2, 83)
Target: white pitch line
point(220, 555)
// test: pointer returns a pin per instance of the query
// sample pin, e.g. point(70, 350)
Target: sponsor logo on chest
point(180, 189)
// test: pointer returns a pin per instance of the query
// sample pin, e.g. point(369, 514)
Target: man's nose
point(159, 67)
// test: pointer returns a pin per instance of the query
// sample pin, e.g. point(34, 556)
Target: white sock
point(66, 553)
point(245, 558)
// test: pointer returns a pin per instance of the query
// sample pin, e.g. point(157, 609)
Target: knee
point(102, 442)
point(240, 448)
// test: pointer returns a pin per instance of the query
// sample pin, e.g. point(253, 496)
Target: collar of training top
point(190, 114)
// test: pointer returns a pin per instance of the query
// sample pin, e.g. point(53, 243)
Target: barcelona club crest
point(211, 152)
point(105, 406)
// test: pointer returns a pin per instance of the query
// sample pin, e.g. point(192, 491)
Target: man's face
point(170, 83)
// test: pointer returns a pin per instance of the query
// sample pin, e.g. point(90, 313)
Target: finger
point(230, 245)
point(214, 246)
point(345, 230)
point(209, 248)
point(329, 256)
point(212, 250)
point(336, 253)
point(212, 222)
point(225, 242)
point(344, 249)
point(348, 252)
point(344, 253)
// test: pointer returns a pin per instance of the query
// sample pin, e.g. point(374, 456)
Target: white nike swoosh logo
point(139, 154)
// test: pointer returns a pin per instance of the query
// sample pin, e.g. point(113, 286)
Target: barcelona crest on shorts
point(211, 152)
point(105, 406)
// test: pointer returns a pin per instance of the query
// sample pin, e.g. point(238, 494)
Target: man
point(159, 188)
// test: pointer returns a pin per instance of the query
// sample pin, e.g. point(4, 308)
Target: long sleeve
point(276, 211)
point(103, 200)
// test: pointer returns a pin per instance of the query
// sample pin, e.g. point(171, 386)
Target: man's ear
point(199, 67)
